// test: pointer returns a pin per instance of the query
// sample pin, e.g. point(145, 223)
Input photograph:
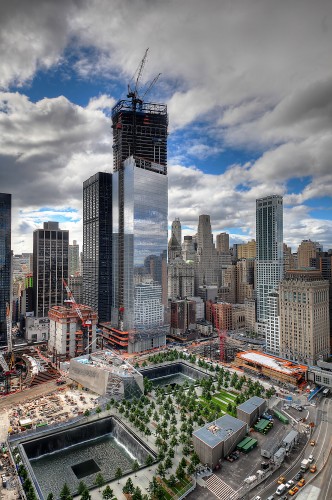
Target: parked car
point(298, 476)
point(293, 491)
point(301, 482)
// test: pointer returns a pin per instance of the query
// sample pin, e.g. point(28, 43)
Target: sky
point(248, 85)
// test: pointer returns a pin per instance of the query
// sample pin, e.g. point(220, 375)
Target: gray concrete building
point(215, 440)
point(251, 410)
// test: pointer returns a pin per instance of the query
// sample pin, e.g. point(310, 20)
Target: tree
point(87, 413)
point(168, 463)
point(195, 458)
point(137, 494)
point(180, 472)
point(172, 480)
point(86, 495)
point(107, 493)
point(161, 469)
point(129, 486)
point(50, 496)
point(191, 469)
point(149, 461)
point(98, 409)
point(81, 487)
point(99, 480)
point(65, 493)
point(135, 467)
point(118, 474)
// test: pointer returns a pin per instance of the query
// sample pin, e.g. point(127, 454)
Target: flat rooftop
point(251, 404)
point(271, 362)
point(219, 430)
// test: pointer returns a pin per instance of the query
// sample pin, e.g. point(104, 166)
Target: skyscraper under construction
point(140, 206)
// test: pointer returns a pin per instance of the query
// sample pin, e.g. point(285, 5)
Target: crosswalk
point(220, 489)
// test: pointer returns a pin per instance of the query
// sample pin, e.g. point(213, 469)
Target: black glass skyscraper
point(50, 267)
point(5, 261)
point(97, 244)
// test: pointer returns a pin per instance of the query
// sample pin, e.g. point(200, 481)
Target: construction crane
point(85, 322)
point(222, 334)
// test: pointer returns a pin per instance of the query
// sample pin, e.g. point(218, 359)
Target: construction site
point(271, 367)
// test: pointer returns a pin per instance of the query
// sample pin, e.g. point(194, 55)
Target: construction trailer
point(280, 416)
point(216, 440)
point(250, 445)
point(269, 447)
point(290, 440)
point(263, 426)
point(251, 410)
point(243, 443)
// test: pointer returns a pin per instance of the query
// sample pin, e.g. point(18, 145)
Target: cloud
point(254, 74)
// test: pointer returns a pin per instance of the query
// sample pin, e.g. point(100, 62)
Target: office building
point(304, 316)
point(269, 249)
point(50, 267)
point(5, 262)
point(183, 316)
point(222, 242)
point(245, 279)
point(174, 245)
point(207, 269)
point(74, 259)
point(188, 249)
point(290, 259)
point(246, 250)
point(306, 251)
point(97, 244)
point(140, 209)
point(181, 279)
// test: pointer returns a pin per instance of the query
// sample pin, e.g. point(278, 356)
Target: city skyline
point(247, 87)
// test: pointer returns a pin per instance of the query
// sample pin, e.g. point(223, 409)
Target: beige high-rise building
point(307, 250)
point(304, 316)
point(290, 259)
point(222, 242)
point(247, 250)
point(181, 279)
point(229, 284)
point(245, 277)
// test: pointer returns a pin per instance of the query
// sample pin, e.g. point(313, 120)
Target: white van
point(281, 489)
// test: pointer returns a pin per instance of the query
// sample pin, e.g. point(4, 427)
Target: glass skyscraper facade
point(269, 249)
point(145, 196)
point(5, 261)
point(140, 209)
point(97, 244)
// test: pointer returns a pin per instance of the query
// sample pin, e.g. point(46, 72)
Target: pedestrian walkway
point(220, 489)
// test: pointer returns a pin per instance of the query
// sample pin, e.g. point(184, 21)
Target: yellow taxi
point(293, 491)
point(301, 482)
